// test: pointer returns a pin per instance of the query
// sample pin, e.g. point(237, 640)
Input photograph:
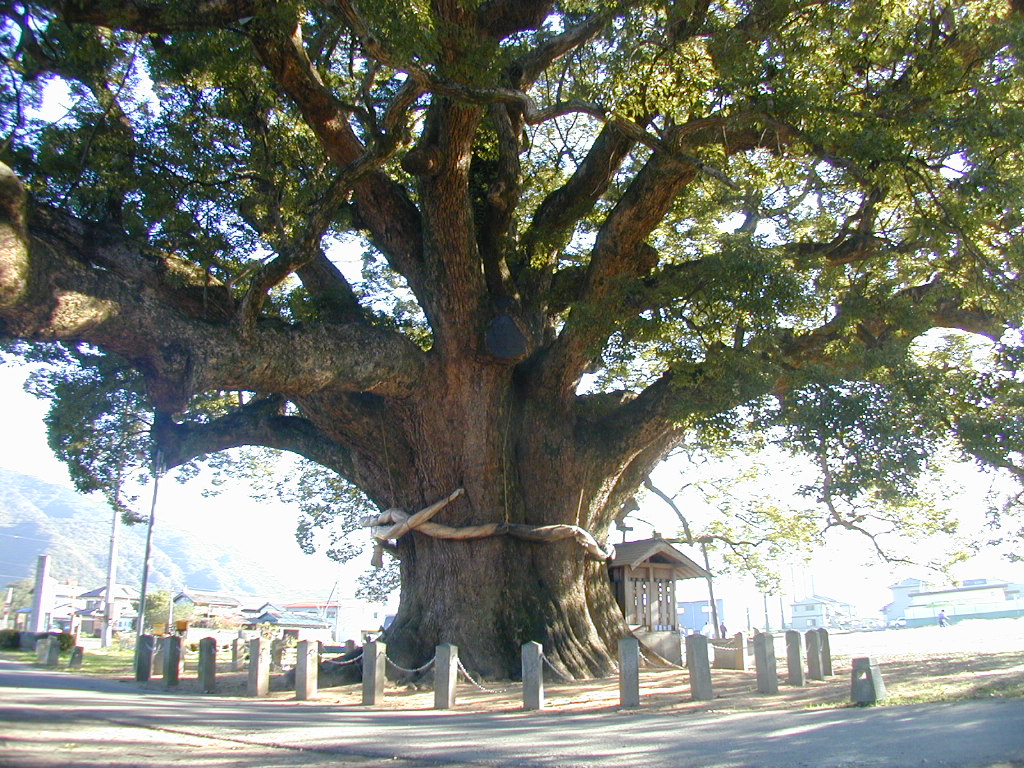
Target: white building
point(819, 611)
point(974, 599)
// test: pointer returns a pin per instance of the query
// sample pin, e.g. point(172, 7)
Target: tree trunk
point(490, 595)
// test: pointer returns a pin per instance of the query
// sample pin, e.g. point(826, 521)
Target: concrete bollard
point(258, 678)
point(533, 676)
point(814, 671)
point(700, 668)
point(172, 661)
point(307, 669)
point(826, 652)
point(629, 672)
point(764, 662)
point(795, 674)
point(237, 654)
point(144, 658)
point(866, 686)
point(53, 653)
point(374, 654)
point(741, 651)
point(208, 665)
point(77, 656)
point(42, 649)
point(159, 651)
point(446, 675)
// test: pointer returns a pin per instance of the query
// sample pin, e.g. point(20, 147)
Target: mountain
point(37, 518)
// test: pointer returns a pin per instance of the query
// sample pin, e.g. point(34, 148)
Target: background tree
point(590, 232)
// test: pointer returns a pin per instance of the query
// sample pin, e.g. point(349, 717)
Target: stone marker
point(237, 654)
point(764, 661)
point(159, 652)
point(307, 669)
point(42, 649)
point(826, 652)
point(172, 661)
point(144, 658)
point(629, 672)
point(374, 659)
point(814, 671)
point(446, 675)
point(700, 668)
point(741, 651)
point(795, 674)
point(208, 665)
point(52, 651)
point(77, 655)
point(866, 686)
point(258, 679)
point(533, 675)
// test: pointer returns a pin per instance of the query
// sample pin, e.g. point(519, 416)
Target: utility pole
point(108, 608)
point(158, 461)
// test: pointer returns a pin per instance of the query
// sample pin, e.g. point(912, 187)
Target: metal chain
point(558, 673)
point(659, 666)
point(408, 671)
point(343, 663)
point(468, 677)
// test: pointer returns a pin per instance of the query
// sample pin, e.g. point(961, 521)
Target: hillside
point(37, 517)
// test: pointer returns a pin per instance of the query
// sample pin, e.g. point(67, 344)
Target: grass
point(105, 662)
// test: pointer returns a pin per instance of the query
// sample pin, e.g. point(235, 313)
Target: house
point(974, 599)
point(209, 604)
point(901, 597)
point(644, 575)
point(819, 611)
point(93, 607)
point(350, 619)
point(300, 626)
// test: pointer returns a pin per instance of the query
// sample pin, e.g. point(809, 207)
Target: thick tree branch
point(259, 422)
point(58, 282)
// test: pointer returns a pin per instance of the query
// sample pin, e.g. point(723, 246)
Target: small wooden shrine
point(644, 575)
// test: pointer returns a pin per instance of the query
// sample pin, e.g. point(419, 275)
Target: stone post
point(698, 664)
point(866, 686)
point(741, 651)
point(629, 672)
point(795, 674)
point(374, 654)
point(258, 678)
point(764, 661)
point(172, 660)
point(42, 649)
point(77, 655)
point(446, 675)
point(159, 653)
point(237, 654)
point(826, 652)
point(814, 671)
point(208, 665)
point(533, 675)
point(144, 658)
point(307, 669)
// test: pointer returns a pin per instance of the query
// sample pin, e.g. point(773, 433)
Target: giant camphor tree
point(590, 232)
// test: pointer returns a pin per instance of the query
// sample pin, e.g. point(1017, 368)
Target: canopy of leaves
point(743, 212)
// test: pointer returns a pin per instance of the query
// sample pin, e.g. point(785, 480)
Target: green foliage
point(857, 171)
point(10, 639)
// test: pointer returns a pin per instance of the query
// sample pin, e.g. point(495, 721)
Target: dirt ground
point(968, 660)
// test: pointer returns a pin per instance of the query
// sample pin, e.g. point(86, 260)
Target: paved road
point(52, 719)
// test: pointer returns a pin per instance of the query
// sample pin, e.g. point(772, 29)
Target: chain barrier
point(477, 685)
point(409, 671)
point(651, 664)
point(558, 673)
point(343, 663)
